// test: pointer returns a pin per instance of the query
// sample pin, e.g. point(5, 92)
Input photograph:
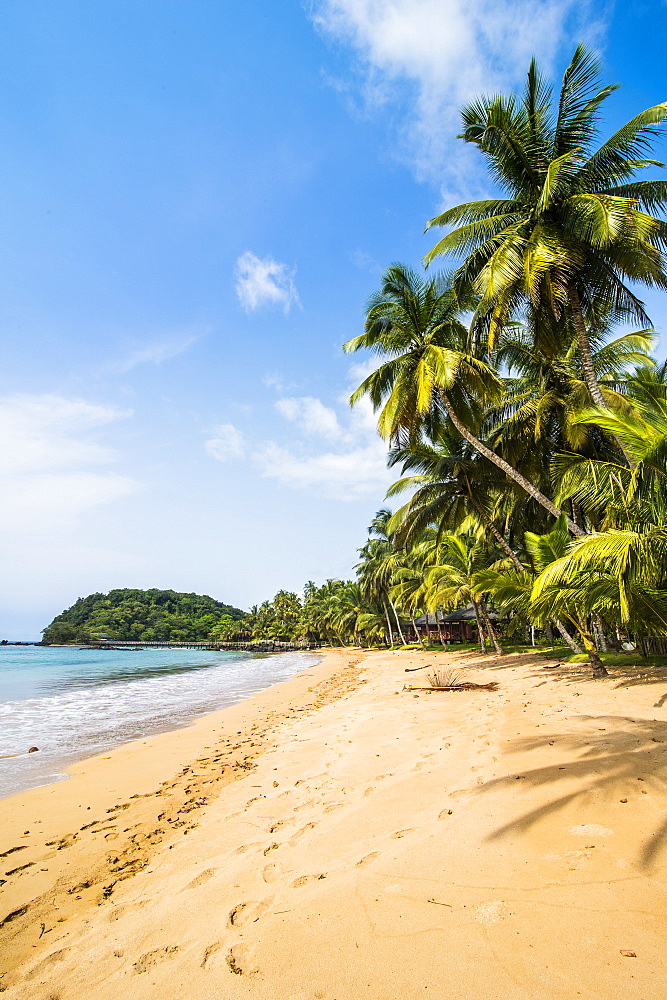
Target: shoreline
point(53, 765)
point(337, 837)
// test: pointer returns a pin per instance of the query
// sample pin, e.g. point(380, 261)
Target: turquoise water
point(73, 703)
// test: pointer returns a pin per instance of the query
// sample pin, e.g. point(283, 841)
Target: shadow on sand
point(616, 753)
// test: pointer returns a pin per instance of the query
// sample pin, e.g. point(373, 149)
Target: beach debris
point(449, 680)
point(465, 686)
point(22, 753)
point(410, 670)
point(628, 954)
point(439, 903)
point(21, 847)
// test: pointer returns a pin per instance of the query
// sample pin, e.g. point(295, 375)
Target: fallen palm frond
point(448, 680)
point(444, 678)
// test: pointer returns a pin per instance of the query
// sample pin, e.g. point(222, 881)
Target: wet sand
point(337, 837)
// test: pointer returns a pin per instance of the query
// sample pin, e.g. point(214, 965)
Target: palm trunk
point(587, 361)
point(398, 624)
point(482, 640)
point(490, 629)
point(498, 535)
point(414, 625)
point(439, 626)
point(598, 632)
point(386, 614)
point(566, 635)
point(509, 470)
point(599, 669)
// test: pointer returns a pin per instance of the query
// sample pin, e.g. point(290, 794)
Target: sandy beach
point(338, 837)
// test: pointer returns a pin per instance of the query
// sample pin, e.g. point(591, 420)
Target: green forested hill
point(147, 615)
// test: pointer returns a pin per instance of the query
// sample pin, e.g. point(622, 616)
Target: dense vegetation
point(147, 615)
point(526, 416)
point(529, 425)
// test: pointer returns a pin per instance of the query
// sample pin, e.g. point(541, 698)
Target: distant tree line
point(141, 615)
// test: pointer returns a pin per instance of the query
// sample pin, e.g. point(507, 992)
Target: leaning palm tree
point(575, 227)
point(416, 324)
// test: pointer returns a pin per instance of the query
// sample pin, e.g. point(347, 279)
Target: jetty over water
point(262, 646)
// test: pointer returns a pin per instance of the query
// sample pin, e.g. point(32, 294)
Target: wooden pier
point(261, 646)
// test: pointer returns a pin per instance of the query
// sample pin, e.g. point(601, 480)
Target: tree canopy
point(142, 615)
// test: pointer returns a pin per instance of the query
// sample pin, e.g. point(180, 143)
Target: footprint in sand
point(47, 963)
point(300, 833)
point(200, 879)
point(151, 958)
point(246, 847)
point(444, 814)
point(246, 913)
point(239, 961)
point(270, 873)
point(305, 879)
point(369, 791)
point(278, 824)
point(367, 859)
point(402, 833)
point(333, 806)
point(305, 805)
point(214, 956)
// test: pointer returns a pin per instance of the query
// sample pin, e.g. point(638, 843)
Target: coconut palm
point(575, 227)
point(379, 561)
point(545, 393)
point(417, 324)
point(455, 581)
point(451, 483)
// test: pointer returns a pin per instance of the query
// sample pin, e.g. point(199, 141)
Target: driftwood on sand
point(463, 686)
point(449, 680)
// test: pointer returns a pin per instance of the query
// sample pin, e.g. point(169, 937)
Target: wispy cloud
point(350, 462)
point(332, 451)
point(156, 351)
point(48, 445)
point(227, 443)
point(434, 55)
point(264, 282)
point(346, 475)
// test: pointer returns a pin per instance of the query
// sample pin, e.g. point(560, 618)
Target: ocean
point(73, 703)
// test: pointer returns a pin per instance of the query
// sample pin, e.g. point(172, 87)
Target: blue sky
point(198, 198)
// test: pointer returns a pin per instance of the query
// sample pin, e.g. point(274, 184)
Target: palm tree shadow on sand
point(620, 752)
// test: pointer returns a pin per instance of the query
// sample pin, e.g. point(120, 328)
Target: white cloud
point(346, 475)
point(354, 463)
point(227, 443)
point(264, 282)
point(46, 447)
point(312, 416)
point(448, 51)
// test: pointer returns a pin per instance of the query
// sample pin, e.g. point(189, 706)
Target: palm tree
point(455, 580)
point(417, 324)
point(449, 483)
point(575, 226)
point(379, 561)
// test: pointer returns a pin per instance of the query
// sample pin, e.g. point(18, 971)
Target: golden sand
point(339, 838)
